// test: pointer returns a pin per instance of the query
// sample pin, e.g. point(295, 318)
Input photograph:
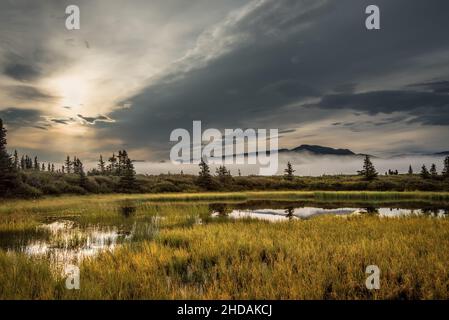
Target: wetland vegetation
point(272, 245)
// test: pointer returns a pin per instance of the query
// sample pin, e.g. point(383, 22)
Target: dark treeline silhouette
point(26, 176)
point(8, 177)
point(28, 163)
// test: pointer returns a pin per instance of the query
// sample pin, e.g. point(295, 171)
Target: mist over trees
point(23, 175)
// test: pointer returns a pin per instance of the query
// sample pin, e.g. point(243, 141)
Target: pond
point(64, 241)
point(281, 211)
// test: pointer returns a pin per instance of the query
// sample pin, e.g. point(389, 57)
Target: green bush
point(26, 191)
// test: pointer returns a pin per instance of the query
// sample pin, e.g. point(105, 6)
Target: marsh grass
point(105, 203)
point(175, 256)
point(324, 258)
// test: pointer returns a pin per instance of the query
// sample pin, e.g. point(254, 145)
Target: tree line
point(11, 166)
point(120, 176)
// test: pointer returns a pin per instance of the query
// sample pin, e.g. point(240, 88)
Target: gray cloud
point(28, 93)
point(287, 64)
point(93, 120)
point(20, 117)
point(64, 121)
point(434, 86)
point(427, 107)
point(22, 72)
point(284, 53)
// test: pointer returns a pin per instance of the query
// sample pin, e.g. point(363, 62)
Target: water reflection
point(66, 242)
point(279, 211)
point(220, 209)
point(128, 208)
point(290, 213)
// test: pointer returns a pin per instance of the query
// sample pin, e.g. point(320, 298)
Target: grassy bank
point(60, 203)
point(36, 184)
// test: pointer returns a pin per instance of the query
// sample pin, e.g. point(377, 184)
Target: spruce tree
point(101, 165)
point(28, 163)
point(410, 170)
point(446, 168)
point(16, 160)
point(122, 160)
point(224, 175)
point(424, 172)
point(205, 179)
point(8, 174)
point(112, 167)
point(128, 182)
point(68, 165)
point(289, 172)
point(75, 165)
point(81, 173)
point(433, 171)
point(36, 164)
point(368, 171)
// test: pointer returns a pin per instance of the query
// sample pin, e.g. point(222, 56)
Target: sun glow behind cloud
point(73, 90)
point(133, 73)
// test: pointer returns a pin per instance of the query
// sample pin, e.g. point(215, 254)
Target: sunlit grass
point(178, 257)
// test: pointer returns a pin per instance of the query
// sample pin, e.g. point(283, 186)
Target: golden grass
point(320, 258)
point(323, 258)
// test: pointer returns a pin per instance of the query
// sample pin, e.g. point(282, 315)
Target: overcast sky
point(136, 70)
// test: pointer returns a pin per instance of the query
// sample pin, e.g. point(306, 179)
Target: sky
point(138, 69)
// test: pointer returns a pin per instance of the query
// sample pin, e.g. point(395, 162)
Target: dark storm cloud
point(385, 101)
point(22, 72)
point(28, 93)
point(20, 117)
point(434, 86)
point(427, 107)
point(291, 52)
point(362, 125)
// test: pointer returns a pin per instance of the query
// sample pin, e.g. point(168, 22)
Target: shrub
point(26, 191)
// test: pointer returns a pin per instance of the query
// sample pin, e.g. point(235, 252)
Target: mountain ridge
point(321, 150)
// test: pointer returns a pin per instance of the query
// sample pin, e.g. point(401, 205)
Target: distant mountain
point(320, 150)
point(444, 153)
point(316, 151)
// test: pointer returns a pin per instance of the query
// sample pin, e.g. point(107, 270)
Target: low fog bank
point(305, 165)
point(332, 165)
